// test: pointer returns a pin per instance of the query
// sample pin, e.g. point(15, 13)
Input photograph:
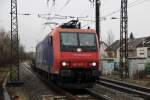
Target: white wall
point(118, 54)
point(135, 66)
point(142, 52)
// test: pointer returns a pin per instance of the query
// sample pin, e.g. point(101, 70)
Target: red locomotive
point(69, 55)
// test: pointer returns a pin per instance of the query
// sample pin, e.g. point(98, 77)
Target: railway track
point(126, 87)
point(94, 93)
point(97, 94)
point(63, 95)
point(85, 94)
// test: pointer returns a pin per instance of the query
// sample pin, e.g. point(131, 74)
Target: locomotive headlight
point(64, 64)
point(94, 64)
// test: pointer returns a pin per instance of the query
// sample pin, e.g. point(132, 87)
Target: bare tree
point(109, 38)
point(5, 42)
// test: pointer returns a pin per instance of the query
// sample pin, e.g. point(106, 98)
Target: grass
point(4, 69)
point(8, 69)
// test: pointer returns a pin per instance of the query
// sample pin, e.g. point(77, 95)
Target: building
point(143, 49)
point(138, 56)
point(137, 47)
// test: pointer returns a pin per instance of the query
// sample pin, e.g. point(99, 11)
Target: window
point(141, 53)
point(69, 39)
point(73, 41)
point(87, 40)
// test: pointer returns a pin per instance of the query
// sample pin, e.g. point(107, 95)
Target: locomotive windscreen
point(71, 42)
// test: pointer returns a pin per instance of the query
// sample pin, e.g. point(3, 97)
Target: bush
point(147, 68)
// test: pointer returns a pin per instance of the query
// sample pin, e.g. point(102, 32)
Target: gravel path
point(32, 89)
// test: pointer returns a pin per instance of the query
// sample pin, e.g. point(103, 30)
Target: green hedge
point(147, 68)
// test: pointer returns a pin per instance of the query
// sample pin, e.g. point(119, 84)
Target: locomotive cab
point(79, 56)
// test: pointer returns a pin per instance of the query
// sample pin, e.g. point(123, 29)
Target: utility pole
point(14, 75)
point(124, 40)
point(97, 18)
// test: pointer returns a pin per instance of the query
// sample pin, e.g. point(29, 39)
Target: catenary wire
point(132, 4)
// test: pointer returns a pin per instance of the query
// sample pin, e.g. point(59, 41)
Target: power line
point(65, 5)
point(89, 8)
point(137, 3)
point(129, 6)
point(57, 16)
point(53, 5)
point(132, 4)
point(118, 10)
point(61, 9)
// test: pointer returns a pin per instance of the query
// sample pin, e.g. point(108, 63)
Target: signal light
point(94, 64)
point(64, 64)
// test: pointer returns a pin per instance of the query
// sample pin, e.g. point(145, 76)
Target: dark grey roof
point(132, 44)
point(145, 42)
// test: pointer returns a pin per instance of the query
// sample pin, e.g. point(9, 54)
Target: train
point(69, 55)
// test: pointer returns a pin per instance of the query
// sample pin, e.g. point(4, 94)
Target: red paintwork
point(80, 60)
point(75, 59)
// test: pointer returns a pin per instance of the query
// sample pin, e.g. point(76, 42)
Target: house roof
point(132, 44)
point(145, 42)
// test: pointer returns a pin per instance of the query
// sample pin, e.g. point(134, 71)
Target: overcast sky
point(32, 28)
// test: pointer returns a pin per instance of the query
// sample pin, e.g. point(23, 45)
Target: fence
point(138, 67)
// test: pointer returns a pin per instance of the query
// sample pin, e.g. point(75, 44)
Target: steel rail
point(126, 87)
point(55, 88)
point(68, 95)
point(98, 95)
